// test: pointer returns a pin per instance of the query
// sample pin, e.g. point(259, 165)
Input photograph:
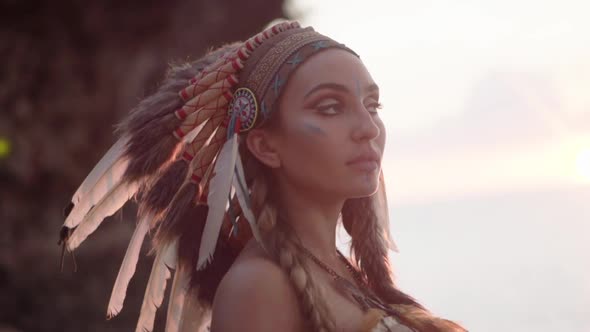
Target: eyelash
point(376, 106)
point(334, 106)
point(337, 106)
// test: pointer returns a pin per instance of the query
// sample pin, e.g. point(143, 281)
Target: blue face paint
point(313, 129)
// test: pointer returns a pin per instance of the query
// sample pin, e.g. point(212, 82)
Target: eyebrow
point(339, 87)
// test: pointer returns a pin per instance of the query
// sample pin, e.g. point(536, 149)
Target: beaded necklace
point(360, 292)
point(355, 274)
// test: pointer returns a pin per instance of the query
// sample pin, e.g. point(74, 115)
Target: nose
point(364, 126)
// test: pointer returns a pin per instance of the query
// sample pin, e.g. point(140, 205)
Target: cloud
point(503, 110)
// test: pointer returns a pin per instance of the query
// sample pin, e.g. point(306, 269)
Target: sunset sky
point(487, 110)
point(492, 94)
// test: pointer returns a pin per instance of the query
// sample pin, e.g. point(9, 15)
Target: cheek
point(304, 129)
point(310, 149)
point(311, 140)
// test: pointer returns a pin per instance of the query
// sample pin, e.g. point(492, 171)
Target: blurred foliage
point(70, 71)
point(4, 148)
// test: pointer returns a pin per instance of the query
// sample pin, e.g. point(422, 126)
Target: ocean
point(506, 262)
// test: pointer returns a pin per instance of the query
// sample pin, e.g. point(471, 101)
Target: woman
point(274, 141)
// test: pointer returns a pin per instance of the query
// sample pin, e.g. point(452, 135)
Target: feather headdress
point(178, 155)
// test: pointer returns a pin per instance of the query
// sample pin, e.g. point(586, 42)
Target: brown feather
point(183, 200)
point(157, 197)
point(166, 99)
point(189, 225)
point(151, 147)
point(160, 104)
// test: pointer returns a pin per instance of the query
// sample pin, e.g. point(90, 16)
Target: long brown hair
point(368, 247)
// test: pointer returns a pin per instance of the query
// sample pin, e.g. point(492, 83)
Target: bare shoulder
point(255, 295)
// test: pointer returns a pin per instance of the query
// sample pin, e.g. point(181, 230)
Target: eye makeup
point(333, 101)
point(373, 107)
point(325, 105)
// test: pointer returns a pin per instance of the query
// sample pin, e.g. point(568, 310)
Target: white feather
point(219, 188)
point(106, 207)
point(102, 187)
point(128, 267)
point(102, 167)
point(154, 292)
point(193, 133)
point(176, 302)
point(244, 199)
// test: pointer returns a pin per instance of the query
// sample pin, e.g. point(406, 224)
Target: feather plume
point(151, 147)
point(103, 187)
point(180, 287)
point(128, 267)
point(105, 168)
point(244, 199)
point(219, 188)
point(157, 196)
point(168, 224)
point(154, 292)
point(110, 204)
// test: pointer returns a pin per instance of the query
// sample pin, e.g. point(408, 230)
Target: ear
point(261, 145)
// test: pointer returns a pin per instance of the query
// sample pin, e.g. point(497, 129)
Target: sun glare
point(583, 164)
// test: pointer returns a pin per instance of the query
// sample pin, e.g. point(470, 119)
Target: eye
point(329, 106)
point(331, 109)
point(373, 107)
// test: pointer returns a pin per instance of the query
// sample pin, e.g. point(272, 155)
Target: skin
point(327, 117)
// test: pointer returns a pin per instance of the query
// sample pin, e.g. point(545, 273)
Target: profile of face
point(327, 140)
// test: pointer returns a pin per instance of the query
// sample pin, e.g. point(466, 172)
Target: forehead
point(330, 66)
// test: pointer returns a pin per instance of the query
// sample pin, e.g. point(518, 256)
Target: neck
point(313, 219)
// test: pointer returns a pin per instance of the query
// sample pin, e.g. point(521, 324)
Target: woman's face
point(329, 138)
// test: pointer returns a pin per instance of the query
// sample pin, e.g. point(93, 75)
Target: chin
point(364, 189)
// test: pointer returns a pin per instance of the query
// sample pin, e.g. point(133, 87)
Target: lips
point(368, 161)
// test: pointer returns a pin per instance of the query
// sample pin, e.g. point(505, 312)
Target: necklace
point(355, 274)
point(360, 292)
point(357, 291)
